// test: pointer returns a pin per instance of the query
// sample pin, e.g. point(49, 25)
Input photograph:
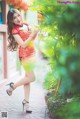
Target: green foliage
point(49, 82)
point(70, 21)
point(71, 110)
point(61, 47)
point(60, 107)
point(68, 68)
point(54, 103)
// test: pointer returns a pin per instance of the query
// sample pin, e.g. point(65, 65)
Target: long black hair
point(13, 45)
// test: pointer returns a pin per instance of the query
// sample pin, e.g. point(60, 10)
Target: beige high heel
point(26, 107)
point(11, 88)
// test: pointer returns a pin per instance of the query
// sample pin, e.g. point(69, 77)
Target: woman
point(21, 37)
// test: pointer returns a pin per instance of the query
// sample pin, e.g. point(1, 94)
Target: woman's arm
point(25, 43)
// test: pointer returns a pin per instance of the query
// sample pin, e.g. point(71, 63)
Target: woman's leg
point(27, 92)
point(25, 102)
point(27, 86)
point(29, 77)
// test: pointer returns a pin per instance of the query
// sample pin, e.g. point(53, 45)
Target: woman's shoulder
point(15, 30)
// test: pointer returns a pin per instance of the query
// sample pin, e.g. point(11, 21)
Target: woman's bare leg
point(27, 92)
point(29, 77)
point(27, 86)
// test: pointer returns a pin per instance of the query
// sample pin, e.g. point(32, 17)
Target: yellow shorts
point(29, 64)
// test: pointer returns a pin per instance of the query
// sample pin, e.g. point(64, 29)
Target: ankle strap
point(11, 85)
point(25, 101)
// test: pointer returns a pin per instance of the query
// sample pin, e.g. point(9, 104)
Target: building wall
point(3, 35)
point(8, 60)
point(1, 57)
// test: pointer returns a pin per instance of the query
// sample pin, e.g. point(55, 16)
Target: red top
point(24, 32)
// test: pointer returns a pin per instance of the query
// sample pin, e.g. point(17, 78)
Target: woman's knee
point(30, 76)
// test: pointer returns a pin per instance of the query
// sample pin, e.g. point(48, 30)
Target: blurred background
point(59, 45)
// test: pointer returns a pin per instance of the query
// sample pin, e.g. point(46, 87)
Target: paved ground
point(13, 104)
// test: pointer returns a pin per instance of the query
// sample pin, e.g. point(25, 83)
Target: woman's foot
point(11, 88)
point(26, 107)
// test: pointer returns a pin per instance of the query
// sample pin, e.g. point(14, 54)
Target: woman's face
point(17, 19)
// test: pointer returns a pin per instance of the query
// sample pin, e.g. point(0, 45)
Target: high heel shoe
point(26, 107)
point(11, 88)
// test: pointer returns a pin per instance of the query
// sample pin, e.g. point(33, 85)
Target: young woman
point(22, 38)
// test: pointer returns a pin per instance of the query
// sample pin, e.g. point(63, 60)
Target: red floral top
point(24, 33)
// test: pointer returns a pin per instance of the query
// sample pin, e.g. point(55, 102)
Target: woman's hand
point(34, 33)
